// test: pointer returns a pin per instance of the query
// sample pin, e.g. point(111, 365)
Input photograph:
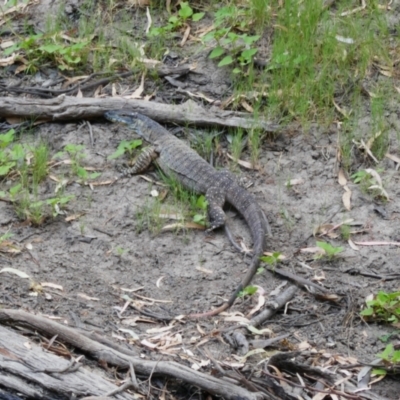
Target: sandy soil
point(109, 252)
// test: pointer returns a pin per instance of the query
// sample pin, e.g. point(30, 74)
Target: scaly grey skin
point(176, 159)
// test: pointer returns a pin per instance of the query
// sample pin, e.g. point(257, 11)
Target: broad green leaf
point(198, 16)
point(7, 138)
point(94, 175)
point(379, 371)
point(51, 48)
point(248, 290)
point(218, 51)
point(198, 218)
point(186, 11)
point(249, 40)
point(249, 53)
point(202, 202)
point(385, 355)
point(81, 172)
point(15, 189)
point(225, 61)
point(117, 153)
point(5, 169)
point(367, 312)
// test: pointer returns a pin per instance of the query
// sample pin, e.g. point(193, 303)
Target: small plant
point(247, 291)
point(39, 166)
point(125, 147)
point(77, 155)
point(8, 155)
point(52, 49)
point(5, 236)
point(201, 204)
point(237, 145)
point(271, 260)
point(361, 176)
point(120, 251)
point(329, 251)
point(391, 359)
point(370, 181)
point(236, 47)
point(384, 307)
point(345, 231)
point(176, 22)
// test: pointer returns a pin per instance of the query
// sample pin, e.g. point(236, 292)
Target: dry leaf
point(313, 250)
point(341, 110)
point(260, 302)
point(15, 271)
point(74, 217)
point(200, 95)
point(186, 225)
point(158, 283)
point(159, 330)
point(247, 106)
point(393, 158)
point(137, 94)
point(86, 297)
point(294, 182)
point(205, 270)
point(352, 245)
point(346, 200)
point(244, 164)
point(4, 62)
point(185, 36)
point(344, 40)
point(52, 285)
point(132, 290)
point(371, 140)
point(139, 3)
point(376, 244)
point(342, 178)
point(354, 10)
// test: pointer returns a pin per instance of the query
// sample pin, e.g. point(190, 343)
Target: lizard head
point(137, 122)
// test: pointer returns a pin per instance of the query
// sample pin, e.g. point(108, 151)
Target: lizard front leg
point(142, 162)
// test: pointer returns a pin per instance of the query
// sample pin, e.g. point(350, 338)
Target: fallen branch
point(122, 358)
point(66, 108)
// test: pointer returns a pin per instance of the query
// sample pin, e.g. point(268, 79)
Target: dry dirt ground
point(109, 253)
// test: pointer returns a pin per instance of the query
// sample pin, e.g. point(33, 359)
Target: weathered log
point(15, 346)
point(67, 108)
point(22, 361)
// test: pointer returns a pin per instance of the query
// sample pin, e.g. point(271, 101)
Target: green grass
point(319, 60)
point(26, 168)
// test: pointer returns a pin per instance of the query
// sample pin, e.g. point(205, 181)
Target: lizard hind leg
point(142, 162)
point(216, 215)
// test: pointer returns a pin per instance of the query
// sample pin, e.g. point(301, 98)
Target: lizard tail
point(246, 204)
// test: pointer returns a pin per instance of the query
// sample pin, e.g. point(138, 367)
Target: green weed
point(233, 46)
point(50, 49)
point(237, 145)
point(345, 231)
point(177, 21)
point(77, 155)
point(201, 207)
point(391, 359)
point(329, 251)
point(247, 291)
point(384, 307)
point(125, 147)
point(371, 182)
